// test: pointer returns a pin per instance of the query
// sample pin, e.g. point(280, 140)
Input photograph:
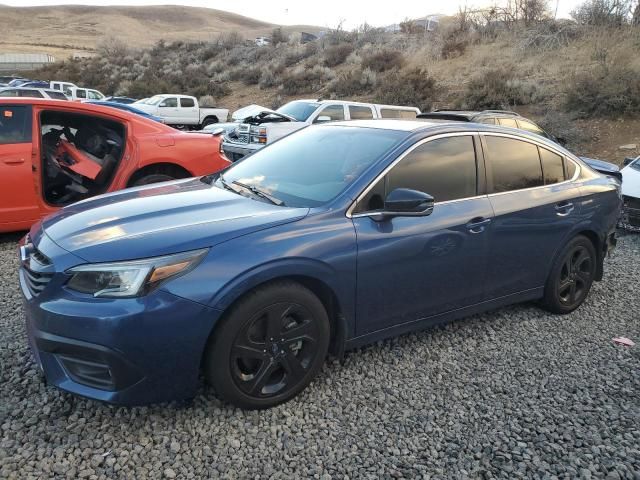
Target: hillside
point(62, 30)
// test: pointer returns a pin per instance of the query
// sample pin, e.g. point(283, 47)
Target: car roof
point(80, 107)
point(386, 124)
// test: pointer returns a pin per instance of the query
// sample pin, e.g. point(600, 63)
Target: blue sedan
point(333, 237)
point(126, 107)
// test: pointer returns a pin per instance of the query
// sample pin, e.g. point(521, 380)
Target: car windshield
point(635, 164)
point(312, 166)
point(299, 110)
point(153, 100)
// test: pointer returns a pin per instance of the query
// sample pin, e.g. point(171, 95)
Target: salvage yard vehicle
point(261, 126)
point(630, 219)
point(126, 107)
point(32, 93)
point(55, 153)
point(507, 118)
point(333, 237)
point(182, 111)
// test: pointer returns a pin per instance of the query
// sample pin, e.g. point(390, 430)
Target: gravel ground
point(512, 393)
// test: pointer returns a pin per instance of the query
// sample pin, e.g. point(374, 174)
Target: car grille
point(631, 213)
point(243, 138)
point(37, 269)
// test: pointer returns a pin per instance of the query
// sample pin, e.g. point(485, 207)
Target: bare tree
point(603, 12)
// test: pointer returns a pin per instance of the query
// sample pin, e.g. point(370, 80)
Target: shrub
point(414, 87)
point(383, 60)
point(603, 12)
point(562, 125)
point(454, 44)
point(498, 88)
point(604, 92)
point(304, 80)
point(353, 82)
point(337, 54)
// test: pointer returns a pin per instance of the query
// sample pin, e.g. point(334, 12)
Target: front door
point(412, 268)
point(19, 203)
point(169, 111)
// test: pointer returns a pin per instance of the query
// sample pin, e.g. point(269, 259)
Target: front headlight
point(131, 279)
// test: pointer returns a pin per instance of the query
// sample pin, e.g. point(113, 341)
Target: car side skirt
point(446, 317)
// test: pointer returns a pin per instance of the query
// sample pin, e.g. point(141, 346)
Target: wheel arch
point(597, 242)
point(168, 168)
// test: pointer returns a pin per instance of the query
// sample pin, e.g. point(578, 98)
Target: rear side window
point(357, 112)
point(508, 122)
point(397, 113)
point(9, 93)
point(570, 168)
point(57, 95)
point(15, 125)
point(515, 164)
point(334, 112)
point(488, 121)
point(31, 93)
point(81, 93)
point(187, 103)
point(444, 168)
point(552, 167)
point(530, 127)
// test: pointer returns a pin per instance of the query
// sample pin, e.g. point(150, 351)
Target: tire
point(153, 178)
point(571, 276)
point(246, 368)
point(208, 121)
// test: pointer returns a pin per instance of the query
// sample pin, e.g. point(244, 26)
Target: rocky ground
point(512, 393)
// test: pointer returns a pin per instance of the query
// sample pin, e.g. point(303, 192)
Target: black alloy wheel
point(269, 347)
point(571, 276)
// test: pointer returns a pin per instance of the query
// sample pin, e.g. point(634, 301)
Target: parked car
point(262, 126)
point(125, 107)
point(65, 87)
point(182, 111)
point(507, 118)
point(630, 219)
point(83, 94)
point(16, 82)
point(32, 93)
point(124, 100)
point(336, 236)
point(36, 84)
point(7, 78)
point(55, 153)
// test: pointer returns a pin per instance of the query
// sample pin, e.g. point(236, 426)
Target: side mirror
point(218, 131)
point(323, 118)
point(404, 202)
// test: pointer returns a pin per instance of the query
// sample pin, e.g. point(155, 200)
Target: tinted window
point(570, 168)
point(508, 122)
point(57, 95)
point(443, 168)
point(551, 167)
point(334, 112)
point(15, 125)
point(397, 113)
point(313, 165)
point(529, 127)
point(169, 102)
point(515, 164)
point(9, 93)
point(360, 113)
point(187, 102)
point(31, 93)
point(57, 86)
point(81, 93)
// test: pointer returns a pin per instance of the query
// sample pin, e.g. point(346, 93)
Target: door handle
point(477, 225)
point(564, 208)
point(14, 161)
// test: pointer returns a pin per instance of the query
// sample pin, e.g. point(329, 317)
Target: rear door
point(535, 210)
point(18, 199)
point(412, 268)
point(189, 112)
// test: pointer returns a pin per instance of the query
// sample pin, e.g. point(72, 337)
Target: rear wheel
point(269, 347)
point(571, 276)
point(209, 121)
point(152, 178)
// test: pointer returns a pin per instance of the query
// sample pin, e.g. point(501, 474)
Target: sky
point(324, 13)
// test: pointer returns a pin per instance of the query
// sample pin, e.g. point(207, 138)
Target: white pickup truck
point(181, 111)
point(259, 126)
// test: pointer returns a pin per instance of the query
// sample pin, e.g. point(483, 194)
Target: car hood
point(160, 219)
point(256, 113)
point(631, 180)
point(601, 166)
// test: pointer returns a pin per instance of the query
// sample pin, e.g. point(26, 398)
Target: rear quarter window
point(15, 124)
point(397, 113)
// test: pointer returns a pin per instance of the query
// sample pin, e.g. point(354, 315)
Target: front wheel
point(269, 347)
point(571, 276)
point(153, 178)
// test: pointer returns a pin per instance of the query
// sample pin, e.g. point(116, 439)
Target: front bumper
point(630, 218)
point(129, 351)
point(236, 151)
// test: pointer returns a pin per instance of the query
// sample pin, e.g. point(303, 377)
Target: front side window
point(552, 167)
point(81, 93)
point(330, 114)
point(57, 95)
point(9, 93)
point(515, 164)
point(31, 94)
point(187, 103)
point(93, 95)
point(170, 102)
point(530, 127)
point(444, 168)
point(15, 125)
point(312, 166)
point(358, 112)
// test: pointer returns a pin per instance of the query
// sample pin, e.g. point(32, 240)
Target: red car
point(53, 153)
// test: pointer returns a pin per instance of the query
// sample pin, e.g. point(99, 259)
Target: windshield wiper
point(258, 192)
